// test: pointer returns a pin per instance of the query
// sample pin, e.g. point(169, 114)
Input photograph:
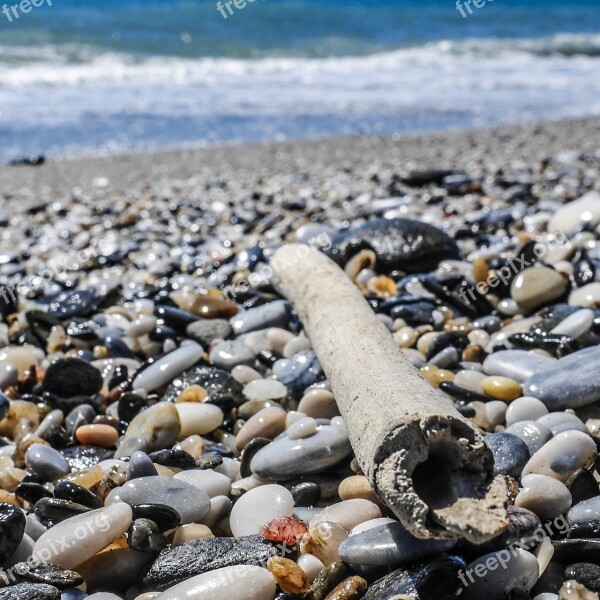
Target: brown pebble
point(383, 286)
point(103, 436)
point(289, 576)
point(501, 388)
point(352, 588)
point(205, 305)
point(357, 486)
point(512, 486)
point(434, 375)
point(474, 353)
point(480, 270)
point(319, 404)
point(284, 530)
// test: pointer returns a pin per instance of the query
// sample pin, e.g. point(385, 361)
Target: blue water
point(83, 77)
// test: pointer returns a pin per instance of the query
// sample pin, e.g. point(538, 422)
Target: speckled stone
point(510, 453)
point(533, 433)
point(178, 563)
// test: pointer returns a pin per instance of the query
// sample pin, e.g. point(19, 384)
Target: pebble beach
point(166, 427)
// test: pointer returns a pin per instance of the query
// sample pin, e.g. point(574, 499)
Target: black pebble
point(51, 511)
point(30, 591)
point(248, 454)
point(209, 460)
point(165, 517)
point(67, 490)
point(130, 405)
point(582, 486)
point(47, 573)
point(173, 458)
point(587, 574)
point(306, 493)
point(32, 492)
point(68, 377)
point(589, 529)
point(12, 528)
point(145, 536)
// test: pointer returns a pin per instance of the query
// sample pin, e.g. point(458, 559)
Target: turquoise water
point(81, 77)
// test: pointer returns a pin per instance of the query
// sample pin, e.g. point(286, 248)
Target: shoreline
point(317, 159)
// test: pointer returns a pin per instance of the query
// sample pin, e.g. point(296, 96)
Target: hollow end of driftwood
point(436, 476)
point(426, 461)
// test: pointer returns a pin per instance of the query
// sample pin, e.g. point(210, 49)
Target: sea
point(85, 77)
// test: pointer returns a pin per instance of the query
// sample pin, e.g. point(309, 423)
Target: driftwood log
point(425, 460)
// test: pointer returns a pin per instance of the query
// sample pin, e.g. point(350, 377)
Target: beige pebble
point(357, 486)
point(193, 445)
point(19, 410)
point(191, 531)
point(501, 388)
point(352, 588)
point(348, 513)
point(104, 436)
point(278, 338)
point(537, 286)
point(319, 404)
point(10, 478)
point(323, 541)
point(267, 423)
point(425, 341)
point(193, 393)
point(470, 379)
point(365, 259)
point(383, 286)
point(23, 357)
point(405, 337)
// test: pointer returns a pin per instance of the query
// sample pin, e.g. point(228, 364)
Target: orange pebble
point(104, 436)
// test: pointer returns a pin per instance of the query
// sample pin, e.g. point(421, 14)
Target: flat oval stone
point(230, 583)
point(545, 496)
point(537, 286)
point(389, 544)
point(272, 314)
point(570, 217)
point(525, 408)
point(505, 571)
point(319, 404)
point(404, 244)
point(198, 418)
point(258, 507)
point(348, 513)
point(558, 422)
point(588, 510)
point(286, 459)
point(588, 295)
point(575, 325)
point(12, 528)
point(265, 389)
point(534, 434)
point(46, 462)
point(266, 423)
point(168, 367)
point(570, 383)
point(77, 539)
point(207, 330)
point(437, 579)
point(156, 427)
point(517, 364)
point(97, 434)
point(189, 501)
point(48, 574)
point(228, 355)
point(177, 563)
point(302, 428)
point(211, 482)
point(563, 455)
point(30, 591)
point(510, 453)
